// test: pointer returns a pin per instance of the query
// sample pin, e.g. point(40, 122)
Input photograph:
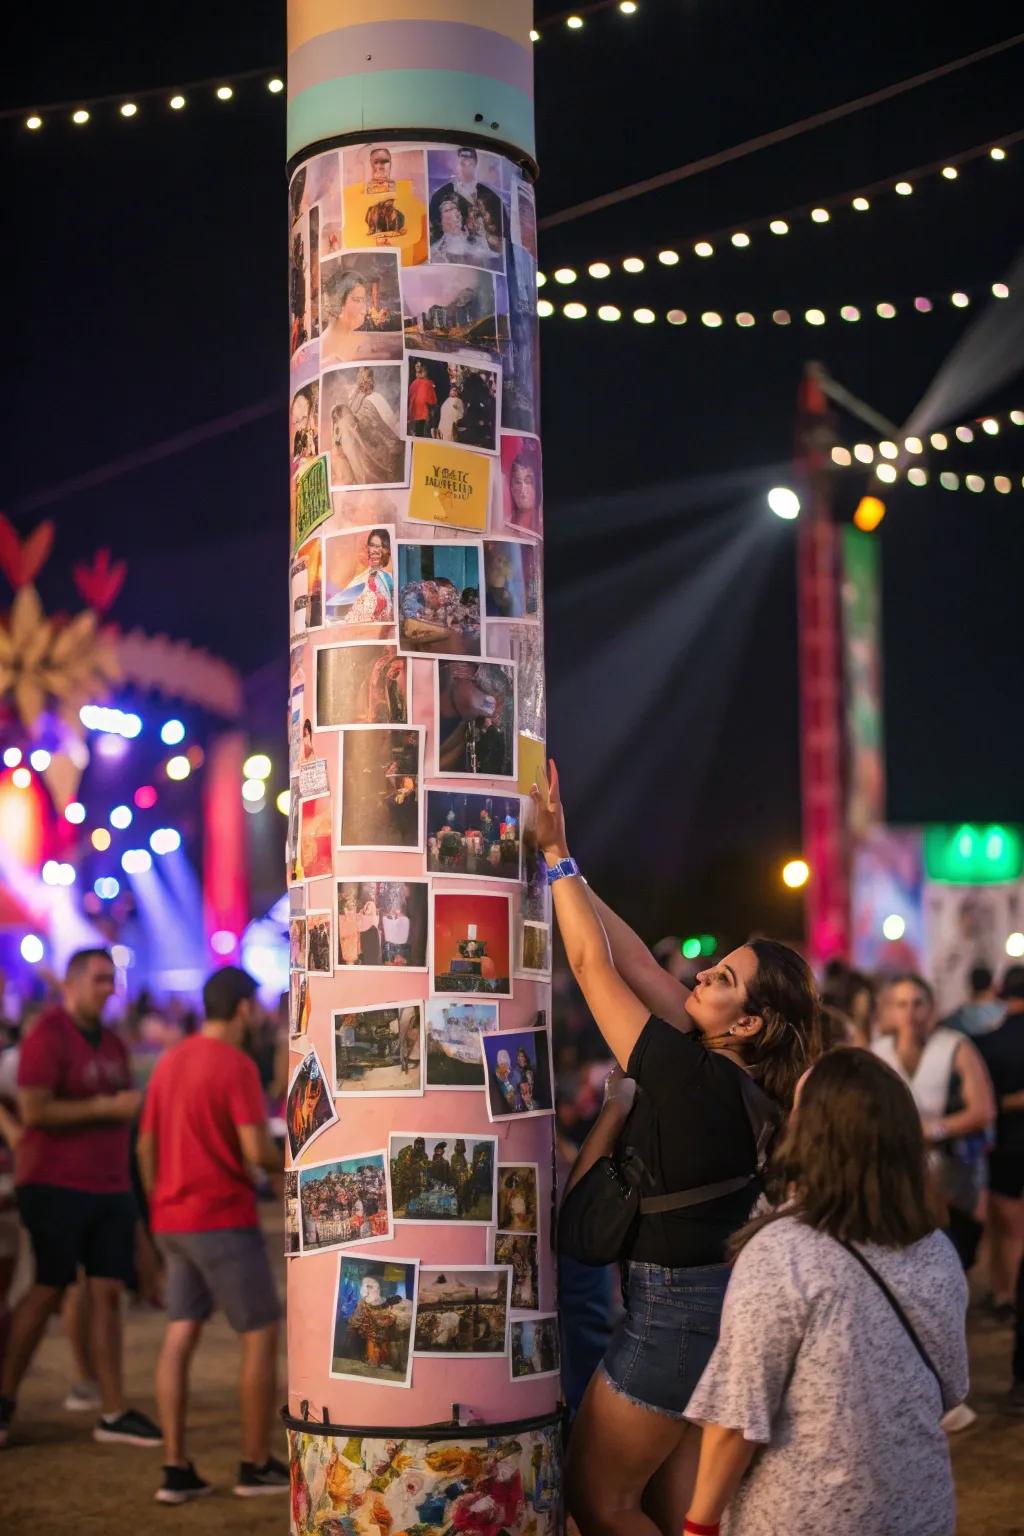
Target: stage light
point(989, 425)
point(815, 316)
point(950, 172)
point(545, 308)
point(284, 801)
point(275, 85)
point(885, 311)
point(145, 797)
point(223, 942)
point(574, 311)
point(917, 476)
point(779, 227)
point(599, 269)
point(128, 109)
point(224, 93)
point(32, 948)
point(949, 481)
point(922, 305)
point(888, 450)
point(894, 927)
point(886, 473)
point(633, 264)
point(745, 320)
point(565, 274)
point(1017, 417)
point(574, 23)
point(914, 445)
point(741, 240)
point(820, 215)
point(107, 888)
point(1002, 484)
point(965, 435)
point(864, 453)
point(850, 312)
point(870, 512)
point(165, 840)
point(258, 766)
point(12, 757)
point(676, 317)
point(903, 188)
point(179, 768)
point(842, 457)
point(939, 440)
point(782, 317)
point(975, 483)
point(120, 817)
point(51, 872)
point(1015, 945)
point(21, 778)
point(253, 790)
point(122, 956)
point(960, 300)
point(997, 153)
point(704, 249)
point(861, 204)
point(34, 122)
point(66, 874)
point(690, 948)
point(40, 759)
point(101, 839)
point(1000, 291)
point(796, 874)
point(136, 861)
point(784, 502)
point(80, 117)
point(541, 278)
point(75, 813)
point(609, 312)
point(176, 103)
point(644, 316)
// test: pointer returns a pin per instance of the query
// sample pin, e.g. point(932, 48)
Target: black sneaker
point(181, 1484)
point(272, 1477)
point(6, 1416)
point(128, 1428)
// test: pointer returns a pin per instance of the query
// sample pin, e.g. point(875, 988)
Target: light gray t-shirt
point(814, 1365)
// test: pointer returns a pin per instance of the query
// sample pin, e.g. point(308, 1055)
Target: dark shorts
point(1006, 1174)
point(659, 1350)
point(228, 1269)
point(69, 1228)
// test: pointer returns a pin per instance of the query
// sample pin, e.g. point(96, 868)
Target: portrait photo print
point(452, 400)
point(359, 583)
point(519, 1252)
point(309, 1108)
point(439, 598)
point(382, 924)
point(374, 1317)
point(534, 1346)
point(360, 308)
point(380, 772)
point(360, 425)
point(520, 1073)
point(517, 1197)
point(361, 683)
point(475, 719)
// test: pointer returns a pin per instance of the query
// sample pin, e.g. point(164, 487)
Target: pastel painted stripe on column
point(419, 45)
point(410, 99)
point(312, 18)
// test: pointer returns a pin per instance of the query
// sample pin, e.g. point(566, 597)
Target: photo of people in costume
point(455, 402)
point(462, 1311)
point(520, 1074)
point(473, 834)
point(475, 719)
point(378, 1052)
point(522, 484)
point(360, 308)
point(385, 200)
point(309, 1108)
point(362, 683)
point(380, 774)
point(454, 1059)
point(307, 584)
point(471, 943)
point(517, 1197)
point(439, 598)
point(344, 1201)
point(298, 1004)
point(360, 412)
point(519, 1252)
point(382, 923)
point(320, 943)
point(292, 1225)
point(444, 1178)
point(374, 1315)
point(468, 217)
point(359, 583)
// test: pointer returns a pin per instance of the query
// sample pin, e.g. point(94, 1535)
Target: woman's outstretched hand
point(550, 818)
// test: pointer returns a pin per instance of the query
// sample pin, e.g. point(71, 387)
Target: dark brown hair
point(785, 995)
point(852, 1161)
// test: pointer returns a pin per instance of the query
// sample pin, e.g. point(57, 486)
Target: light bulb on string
point(599, 269)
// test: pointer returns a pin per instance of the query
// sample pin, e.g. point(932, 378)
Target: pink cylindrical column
point(423, 1379)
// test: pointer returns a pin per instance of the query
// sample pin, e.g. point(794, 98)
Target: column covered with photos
point(422, 1338)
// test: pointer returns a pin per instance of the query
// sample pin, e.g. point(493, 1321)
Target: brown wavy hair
point(852, 1161)
point(785, 995)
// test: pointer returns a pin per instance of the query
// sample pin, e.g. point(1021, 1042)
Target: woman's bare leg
point(670, 1491)
point(615, 1449)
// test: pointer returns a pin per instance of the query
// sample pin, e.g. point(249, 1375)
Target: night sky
point(147, 297)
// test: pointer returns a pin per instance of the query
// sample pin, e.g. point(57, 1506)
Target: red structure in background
point(225, 882)
point(823, 795)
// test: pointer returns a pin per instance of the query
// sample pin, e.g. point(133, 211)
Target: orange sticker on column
point(450, 486)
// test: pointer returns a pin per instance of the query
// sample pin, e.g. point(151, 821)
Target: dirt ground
point(56, 1479)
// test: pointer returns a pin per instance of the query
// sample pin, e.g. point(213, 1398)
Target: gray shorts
point(227, 1268)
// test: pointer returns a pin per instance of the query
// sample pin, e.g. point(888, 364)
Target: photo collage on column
point(416, 594)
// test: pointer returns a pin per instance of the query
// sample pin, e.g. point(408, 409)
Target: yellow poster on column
point(533, 765)
point(385, 201)
point(450, 486)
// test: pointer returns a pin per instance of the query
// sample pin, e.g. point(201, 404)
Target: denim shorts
point(659, 1350)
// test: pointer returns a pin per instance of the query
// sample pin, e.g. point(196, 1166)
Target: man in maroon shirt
point(204, 1126)
point(73, 1182)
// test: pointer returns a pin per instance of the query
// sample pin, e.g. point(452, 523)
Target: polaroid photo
point(470, 944)
point(454, 1061)
point(378, 1051)
point(534, 1346)
point(522, 485)
point(475, 731)
point(360, 308)
point(439, 598)
point(520, 1073)
point(360, 426)
point(462, 1310)
point(453, 399)
point(450, 309)
point(382, 925)
point(364, 682)
point(380, 806)
point(443, 1178)
point(359, 583)
point(518, 1198)
point(309, 1108)
point(320, 943)
point(474, 835)
point(374, 1320)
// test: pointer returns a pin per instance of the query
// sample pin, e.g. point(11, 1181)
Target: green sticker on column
point(312, 500)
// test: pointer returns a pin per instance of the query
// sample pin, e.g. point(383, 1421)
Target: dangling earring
point(732, 1029)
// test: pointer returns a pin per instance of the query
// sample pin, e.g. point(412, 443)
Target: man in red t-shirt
point(204, 1124)
point(73, 1184)
point(422, 402)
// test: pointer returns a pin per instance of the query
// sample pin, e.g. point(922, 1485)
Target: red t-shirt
point(199, 1094)
point(56, 1054)
point(422, 395)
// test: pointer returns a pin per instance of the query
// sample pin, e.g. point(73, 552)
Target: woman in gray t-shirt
point(820, 1412)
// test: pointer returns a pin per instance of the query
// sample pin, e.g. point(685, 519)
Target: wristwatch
point(563, 869)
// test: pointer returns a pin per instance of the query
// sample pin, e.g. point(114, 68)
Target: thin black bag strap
point(655, 1205)
point(891, 1299)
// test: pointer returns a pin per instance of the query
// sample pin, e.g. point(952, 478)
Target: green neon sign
point(973, 853)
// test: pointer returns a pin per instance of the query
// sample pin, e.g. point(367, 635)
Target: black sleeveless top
point(690, 1126)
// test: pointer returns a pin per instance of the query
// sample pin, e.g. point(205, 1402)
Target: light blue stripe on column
point(445, 101)
point(387, 45)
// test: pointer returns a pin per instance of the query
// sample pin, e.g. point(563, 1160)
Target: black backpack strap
point(891, 1299)
point(654, 1205)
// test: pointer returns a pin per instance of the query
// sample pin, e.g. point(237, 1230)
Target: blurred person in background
point(983, 1009)
point(851, 996)
point(1003, 1053)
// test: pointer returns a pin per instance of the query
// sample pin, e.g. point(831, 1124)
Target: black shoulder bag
point(599, 1215)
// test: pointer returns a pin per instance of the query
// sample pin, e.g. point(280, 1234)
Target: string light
point(814, 316)
point(176, 103)
point(779, 227)
point(545, 308)
point(628, 7)
point(850, 313)
point(960, 299)
point(565, 275)
point(129, 109)
point(820, 215)
point(224, 93)
point(991, 426)
point(534, 38)
point(33, 123)
point(599, 269)
point(950, 172)
point(860, 205)
point(885, 311)
point(782, 317)
point(1000, 291)
point(275, 85)
point(887, 473)
point(917, 475)
point(80, 116)
point(939, 440)
point(704, 249)
point(997, 153)
point(745, 320)
point(609, 312)
point(712, 319)
point(574, 311)
point(903, 189)
point(633, 264)
point(741, 240)
point(574, 23)
point(669, 258)
point(676, 317)
point(644, 316)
